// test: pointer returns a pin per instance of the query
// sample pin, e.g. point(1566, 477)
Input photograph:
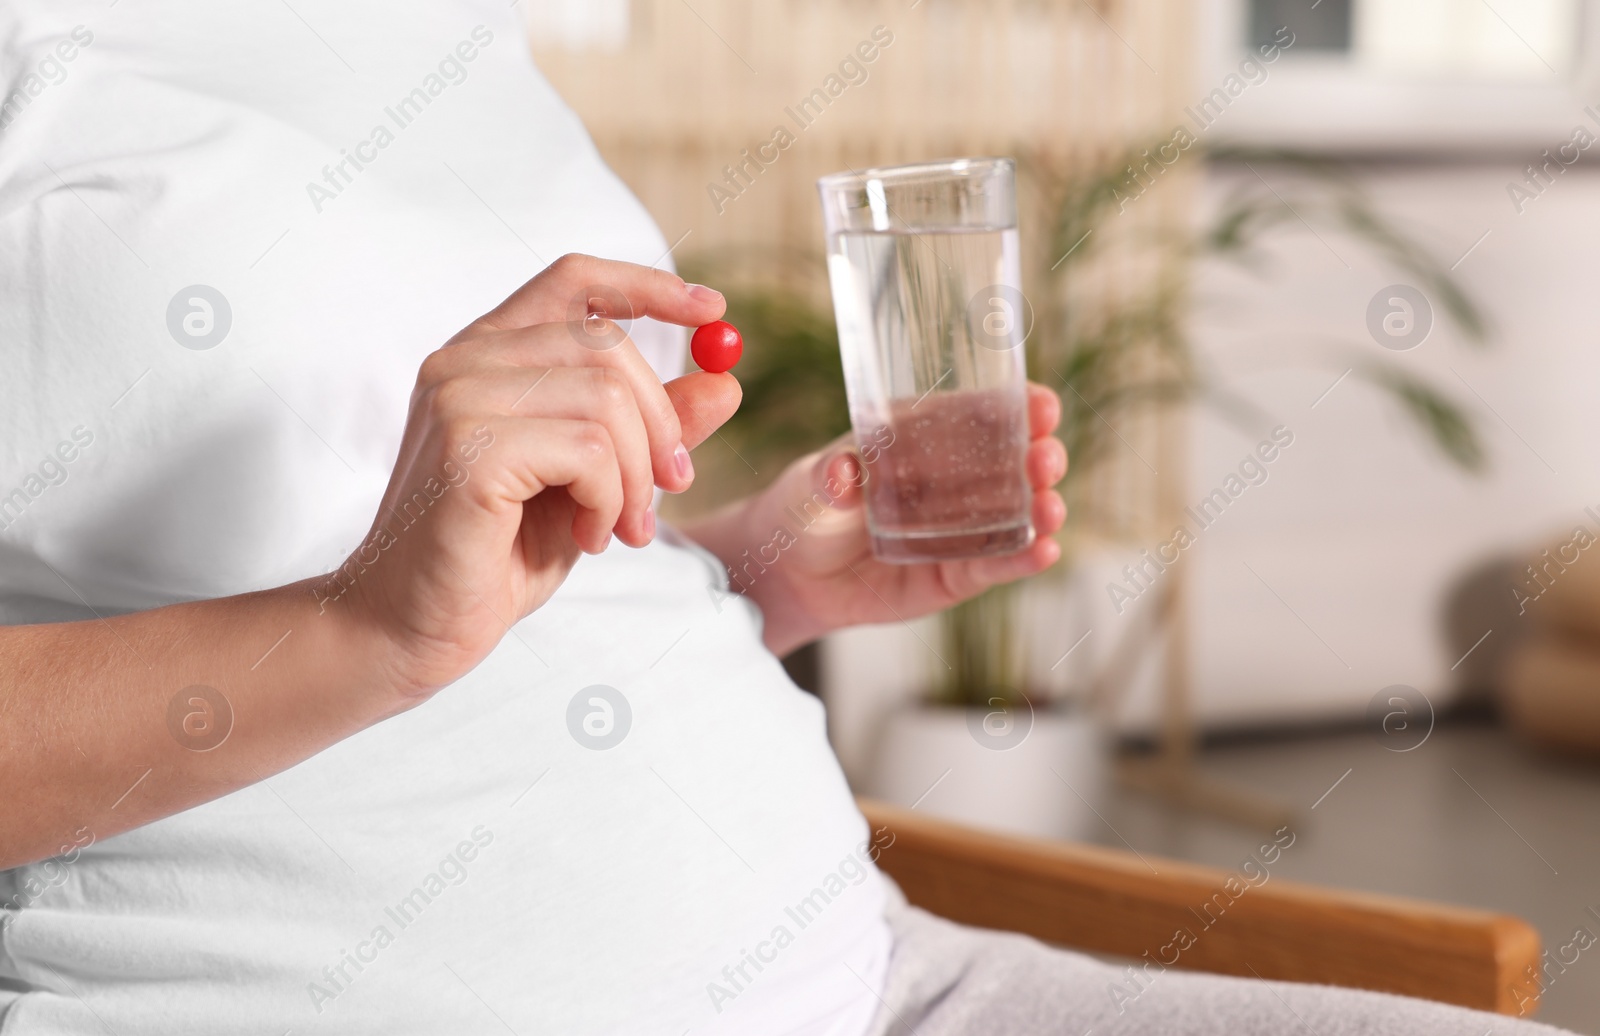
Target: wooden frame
point(1106, 901)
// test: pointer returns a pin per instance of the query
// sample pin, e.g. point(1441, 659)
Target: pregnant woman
point(348, 683)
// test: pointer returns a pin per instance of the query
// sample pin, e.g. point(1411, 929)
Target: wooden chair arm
point(1237, 923)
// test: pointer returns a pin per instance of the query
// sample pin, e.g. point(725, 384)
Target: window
point(1377, 75)
point(1320, 26)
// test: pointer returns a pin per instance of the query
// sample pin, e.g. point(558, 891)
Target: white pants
point(950, 980)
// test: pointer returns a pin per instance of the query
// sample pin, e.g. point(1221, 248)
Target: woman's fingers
point(1049, 512)
point(966, 579)
point(822, 504)
point(547, 373)
point(536, 454)
point(1044, 410)
point(703, 402)
point(575, 286)
point(840, 476)
point(646, 440)
point(559, 345)
point(1046, 462)
point(668, 452)
point(575, 394)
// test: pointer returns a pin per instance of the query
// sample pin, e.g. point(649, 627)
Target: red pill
point(716, 346)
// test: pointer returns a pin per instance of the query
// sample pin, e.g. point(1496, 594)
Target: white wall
point(1362, 527)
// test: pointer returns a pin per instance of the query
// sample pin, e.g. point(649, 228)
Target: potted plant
point(1029, 760)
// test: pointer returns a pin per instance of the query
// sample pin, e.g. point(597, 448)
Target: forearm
point(99, 730)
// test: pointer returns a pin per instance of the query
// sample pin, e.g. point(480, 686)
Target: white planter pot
point(1043, 777)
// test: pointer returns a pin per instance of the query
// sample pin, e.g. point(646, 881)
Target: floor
point(1468, 816)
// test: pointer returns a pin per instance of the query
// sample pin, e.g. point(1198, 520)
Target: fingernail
point(848, 483)
point(680, 457)
point(701, 293)
point(649, 525)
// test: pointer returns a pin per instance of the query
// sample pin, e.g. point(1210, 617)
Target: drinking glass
point(923, 262)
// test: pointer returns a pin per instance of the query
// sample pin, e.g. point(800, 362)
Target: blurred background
point(1361, 231)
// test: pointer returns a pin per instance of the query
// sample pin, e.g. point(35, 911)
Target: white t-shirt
point(471, 865)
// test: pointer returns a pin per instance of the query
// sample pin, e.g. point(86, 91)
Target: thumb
point(839, 473)
point(704, 402)
point(821, 498)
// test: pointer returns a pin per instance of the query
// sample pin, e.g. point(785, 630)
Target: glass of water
point(923, 262)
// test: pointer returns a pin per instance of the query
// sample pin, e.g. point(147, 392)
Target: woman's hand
point(533, 435)
point(826, 577)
